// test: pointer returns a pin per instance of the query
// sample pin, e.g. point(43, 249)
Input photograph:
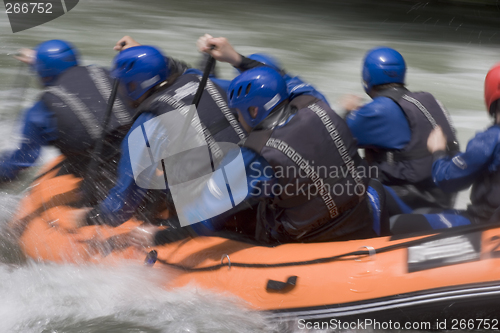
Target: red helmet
point(492, 88)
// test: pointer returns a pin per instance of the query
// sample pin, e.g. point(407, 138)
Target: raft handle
point(277, 286)
point(228, 261)
point(371, 252)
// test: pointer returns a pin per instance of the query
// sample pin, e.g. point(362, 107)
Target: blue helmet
point(139, 69)
point(54, 57)
point(381, 66)
point(262, 87)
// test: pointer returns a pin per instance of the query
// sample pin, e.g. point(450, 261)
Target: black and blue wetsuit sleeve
point(460, 171)
point(39, 128)
point(297, 87)
point(380, 124)
point(247, 63)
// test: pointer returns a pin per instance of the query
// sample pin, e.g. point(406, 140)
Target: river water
point(448, 49)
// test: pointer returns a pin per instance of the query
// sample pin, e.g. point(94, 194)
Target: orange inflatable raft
point(452, 275)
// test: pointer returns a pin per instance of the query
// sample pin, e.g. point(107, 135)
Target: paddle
point(19, 85)
point(196, 102)
point(153, 255)
point(96, 154)
point(70, 197)
point(19, 97)
point(204, 79)
point(199, 92)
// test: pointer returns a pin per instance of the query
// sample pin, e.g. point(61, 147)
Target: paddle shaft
point(109, 110)
point(96, 154)
point(196, 102)
point(197, 98)
point(19, 97)
point(204, 79)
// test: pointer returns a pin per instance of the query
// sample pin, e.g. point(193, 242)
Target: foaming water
point(322, 41)
point(10, 253)
point(126, 298)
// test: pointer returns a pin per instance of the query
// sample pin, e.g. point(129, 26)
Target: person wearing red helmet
point(492, 90)
point(478, 166)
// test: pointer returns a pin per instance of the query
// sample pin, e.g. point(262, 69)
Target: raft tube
point(429, 277)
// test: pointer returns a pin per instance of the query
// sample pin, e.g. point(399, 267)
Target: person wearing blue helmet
point(303, 136)
point(53, 58)
point(69, 115)
point(156, 85)
point(296, 86)
point(267, 108)
point(394, 127)
point(478, 166)
point(296, 200)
